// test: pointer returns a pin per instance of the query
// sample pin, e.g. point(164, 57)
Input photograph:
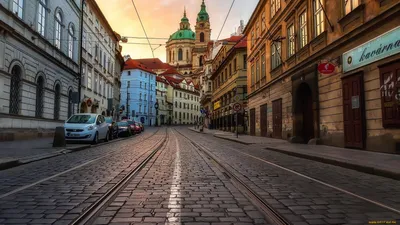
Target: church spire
point(203, 15)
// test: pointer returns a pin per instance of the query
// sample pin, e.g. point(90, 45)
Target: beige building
point(292, 93)
point(186, 48)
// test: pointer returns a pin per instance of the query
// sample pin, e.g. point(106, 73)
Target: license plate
point(73, 135)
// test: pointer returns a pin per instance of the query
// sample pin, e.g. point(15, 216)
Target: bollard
point(59, 137)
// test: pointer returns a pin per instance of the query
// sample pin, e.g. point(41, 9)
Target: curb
point(22, 161)
point(357, 167)
point(229, 139)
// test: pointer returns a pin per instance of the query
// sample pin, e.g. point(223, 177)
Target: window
point(128, 84)
point(180, 54)
point(140, 108)
point(253, 79)
point(390, 93)
point(235, 64)
point(89, 78)
point(145, 86)
point(275, 54)
point(180, 105)
point(201, 37)
point(145, 97)
point(84, 39)
point(83, 74)
point(263, 67)
point(101, 86)
point(176, 104)
point(319, 23)
point(39, 97)
point(176, 114)
point(180, 94)
point(129, 73)
point(201, 60)
point(140, 84)
point(101, 56)
point(96, 81)
point(57, 97)
point(275, 6)
point(58, 30)
point(244, 62)
point(263, 21)
point(350, 5)
point(252, 38)
point(303, 29)
point(89, 44)
point(176, 94)
point(15, 89)
point(41, 17)
point(230, 69)
point(187, 55)
point(71, 41)
point(291, 38)
point(140, 96)
point(18, 5)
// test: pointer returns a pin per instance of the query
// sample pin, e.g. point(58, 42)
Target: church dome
point(183, 35)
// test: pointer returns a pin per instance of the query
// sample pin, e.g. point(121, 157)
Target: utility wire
point(227, 15)
point(143, 27)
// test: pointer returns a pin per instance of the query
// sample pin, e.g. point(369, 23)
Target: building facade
point(229, 81)
point(293, 96)
point(138, 92)
point(163, 111)
point(101, 66)
point(186, 48)
point(206, 86)
point(39, 62)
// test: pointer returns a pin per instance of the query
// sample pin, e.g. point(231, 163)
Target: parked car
point(133, 125)
point(86, 127)
point(124, 129)
point(141, 125)
point(112, 128)
point(138, 128)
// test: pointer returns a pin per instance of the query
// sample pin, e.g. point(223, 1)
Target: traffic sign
point(237, 107)
point(236, 98)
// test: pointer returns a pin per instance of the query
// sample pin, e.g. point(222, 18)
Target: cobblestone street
point(176, 176)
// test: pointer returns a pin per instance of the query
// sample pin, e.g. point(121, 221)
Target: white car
point(86, 127)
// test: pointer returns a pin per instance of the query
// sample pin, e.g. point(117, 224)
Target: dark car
point(112, 128)
point(133, 125)
point(124, 129)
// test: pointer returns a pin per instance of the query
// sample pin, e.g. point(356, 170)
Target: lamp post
point(156, 107)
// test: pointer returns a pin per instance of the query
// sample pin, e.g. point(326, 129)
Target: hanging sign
point(89, 102)
point(326, 68)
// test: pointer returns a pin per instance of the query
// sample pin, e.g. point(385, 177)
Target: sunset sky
point(161, 18)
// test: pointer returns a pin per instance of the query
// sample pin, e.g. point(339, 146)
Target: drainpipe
point(317, 101)
point(80, 59)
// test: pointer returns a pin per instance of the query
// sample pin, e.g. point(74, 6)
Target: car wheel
point(111, 135)
point(96, 139)
point(107, 137)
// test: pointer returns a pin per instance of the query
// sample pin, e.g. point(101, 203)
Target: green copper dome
point(183, 34)
point(203, 14)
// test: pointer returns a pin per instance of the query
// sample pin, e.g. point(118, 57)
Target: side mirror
point(98, 123)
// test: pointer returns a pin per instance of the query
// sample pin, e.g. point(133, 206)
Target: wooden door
point(253, 122)
point(264, 120)
point(353, 109)
point(277, 118)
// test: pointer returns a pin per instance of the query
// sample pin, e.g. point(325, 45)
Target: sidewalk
point(381, 164)
point(14, 153)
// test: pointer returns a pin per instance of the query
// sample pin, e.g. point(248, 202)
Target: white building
point(102, 60)
point(164, 113)
point(39, 62)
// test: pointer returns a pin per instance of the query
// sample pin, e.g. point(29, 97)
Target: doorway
point(304, 116)
point(264, 120)
point(277, 118)
point(252, 122)
point(353, 109)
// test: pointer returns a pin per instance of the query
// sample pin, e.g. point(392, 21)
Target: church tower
point(203, 36)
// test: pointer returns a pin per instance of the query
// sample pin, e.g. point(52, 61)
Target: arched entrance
point(304, 117)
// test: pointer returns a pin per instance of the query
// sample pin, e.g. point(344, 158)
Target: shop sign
point(326, 68)
point(378, 48)
point(217, 105)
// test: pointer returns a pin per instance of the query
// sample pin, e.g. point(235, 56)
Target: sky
point(161, 18)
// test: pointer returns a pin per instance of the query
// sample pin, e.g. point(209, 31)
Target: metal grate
point(57, 96)
point(15, 87)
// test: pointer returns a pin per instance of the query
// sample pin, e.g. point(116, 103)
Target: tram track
point(17, 190)
point(95, 209)
point(256, 199)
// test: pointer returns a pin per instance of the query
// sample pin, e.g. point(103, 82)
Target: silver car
point(86, 127)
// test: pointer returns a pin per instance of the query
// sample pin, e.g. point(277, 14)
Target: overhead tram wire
point(152, 51)
point(227, 15)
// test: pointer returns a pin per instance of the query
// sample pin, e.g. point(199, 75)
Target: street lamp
point(156, 107)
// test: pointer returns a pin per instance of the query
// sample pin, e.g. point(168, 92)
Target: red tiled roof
point(154, 63)
point(131, 64)
point(233, 38)
point(170, 71)
point(174, 79)
point(161, 79)
point(242, 43)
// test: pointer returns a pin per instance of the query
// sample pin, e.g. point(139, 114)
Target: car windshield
point(109, 120)
point(82, 119)
point(130, 122)
point(122, 124)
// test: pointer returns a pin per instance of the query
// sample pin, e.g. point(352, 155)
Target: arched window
point(201, 60)
point(58, 30)
point(180, 54)
point(41, 17)
point(15, 87)
point(57, 96)
point(71, 32)
point(70, 103)
point(39, 96)
point(201, 37)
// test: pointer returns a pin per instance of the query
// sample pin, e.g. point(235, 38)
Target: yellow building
point(229, 81)
point(321, 71)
